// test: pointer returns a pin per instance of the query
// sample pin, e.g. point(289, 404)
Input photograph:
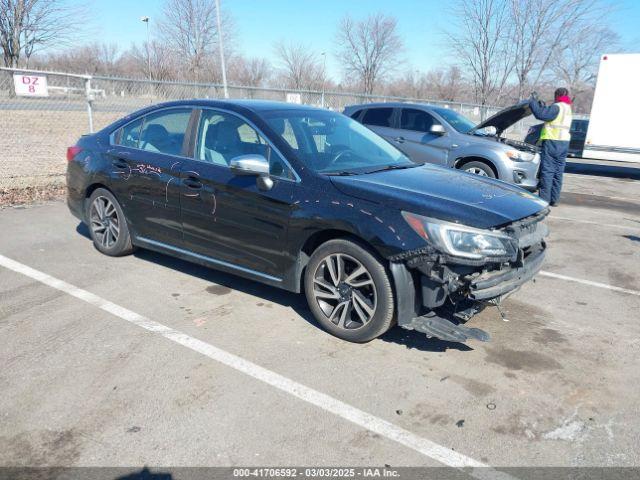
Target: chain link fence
point(36, 130)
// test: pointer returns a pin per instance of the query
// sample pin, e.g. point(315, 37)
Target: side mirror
point(437, 129)
point(249, 165)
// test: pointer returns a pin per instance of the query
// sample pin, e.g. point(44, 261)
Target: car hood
point(445, 194)
point(505, 118)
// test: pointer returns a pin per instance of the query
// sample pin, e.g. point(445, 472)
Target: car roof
point(253, 105)
point(393, 105)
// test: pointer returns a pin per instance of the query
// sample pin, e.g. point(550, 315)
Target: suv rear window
point(380, 117)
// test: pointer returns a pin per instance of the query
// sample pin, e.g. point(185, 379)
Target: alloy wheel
point(345, 291)
point(104, 221)
point(477, 171)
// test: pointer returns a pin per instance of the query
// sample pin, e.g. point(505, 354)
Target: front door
point(226, 216)
point(147, 160)
point(381, 120)
point(416, 140)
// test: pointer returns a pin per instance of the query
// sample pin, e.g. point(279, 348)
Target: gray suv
point(439, 135)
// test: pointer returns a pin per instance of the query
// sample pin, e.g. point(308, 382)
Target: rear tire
point(107, 224)
point(348, 291)
point(478, 168)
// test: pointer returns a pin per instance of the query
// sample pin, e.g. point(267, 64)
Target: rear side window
point(164, 131)
point(356, 114)
point(129, 135)
point(416, 120)
point(380, 117)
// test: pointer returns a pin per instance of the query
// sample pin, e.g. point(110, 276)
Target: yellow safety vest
point(559, 127)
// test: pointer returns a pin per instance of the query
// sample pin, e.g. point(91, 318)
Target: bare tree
point(189, 29)
point(299, 66)
point(448, 84)
point(94, 58)
point(369, 49)
point(28, 26)
point(543, 28)
point(481, 40)
point(164, 65)
point(252, 72)
point(576, 65)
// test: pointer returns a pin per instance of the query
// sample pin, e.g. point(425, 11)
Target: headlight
point(518, 156)
point(460, 240)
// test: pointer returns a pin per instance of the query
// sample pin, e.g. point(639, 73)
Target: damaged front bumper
point(436, 294)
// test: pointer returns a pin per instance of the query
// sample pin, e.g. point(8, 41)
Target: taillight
point(72, 152)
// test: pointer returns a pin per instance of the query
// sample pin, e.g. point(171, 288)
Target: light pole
point(222, 64)
point(146, 21)
point(324, 76)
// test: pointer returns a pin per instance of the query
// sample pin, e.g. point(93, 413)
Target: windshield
point(458, 121)
point(330, 143)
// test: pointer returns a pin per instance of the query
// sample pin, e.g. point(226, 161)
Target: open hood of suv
point(505, 118)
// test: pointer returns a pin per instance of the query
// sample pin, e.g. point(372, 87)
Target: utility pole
point(221, 46)
point(324, 76)
point(146, 20)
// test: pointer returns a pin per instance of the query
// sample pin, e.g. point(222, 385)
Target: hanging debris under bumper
point(437, 294)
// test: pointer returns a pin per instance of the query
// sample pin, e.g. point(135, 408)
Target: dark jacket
point(546, 114)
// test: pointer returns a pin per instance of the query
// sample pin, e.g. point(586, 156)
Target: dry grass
point(33, 147)
point(26, 195)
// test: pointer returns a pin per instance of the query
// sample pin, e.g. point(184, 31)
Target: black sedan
point(309, 200)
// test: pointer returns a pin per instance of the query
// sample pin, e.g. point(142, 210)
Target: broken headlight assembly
point(460, 240)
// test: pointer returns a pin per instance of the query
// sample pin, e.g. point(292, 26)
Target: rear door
point(225, 216)
point(416, 139)
point(147, 157)
point(381, 120)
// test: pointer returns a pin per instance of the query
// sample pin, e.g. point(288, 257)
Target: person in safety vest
point(555, 139)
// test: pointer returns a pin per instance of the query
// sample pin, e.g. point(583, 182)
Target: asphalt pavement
point(150, 360)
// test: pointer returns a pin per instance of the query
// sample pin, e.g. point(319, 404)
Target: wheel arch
point(460, 162)
point(89, 191)
point(318, 238)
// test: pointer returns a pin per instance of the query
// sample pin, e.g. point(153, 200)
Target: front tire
point(478, 168)
point(348, 291)
point(107, 224)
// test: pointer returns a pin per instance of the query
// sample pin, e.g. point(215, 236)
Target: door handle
point(399, 139)
point(192, 182)
point(120, 163)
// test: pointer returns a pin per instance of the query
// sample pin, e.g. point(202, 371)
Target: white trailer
point(613, 123)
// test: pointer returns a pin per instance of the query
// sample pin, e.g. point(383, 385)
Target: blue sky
point(260, 23)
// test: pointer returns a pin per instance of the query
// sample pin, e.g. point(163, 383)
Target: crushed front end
point(443, 285)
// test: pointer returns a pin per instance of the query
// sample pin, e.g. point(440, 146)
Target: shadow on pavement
point(145, 474)
point(614, 171)
point(297, 302)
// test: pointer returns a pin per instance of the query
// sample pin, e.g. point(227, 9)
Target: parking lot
point(149, 360)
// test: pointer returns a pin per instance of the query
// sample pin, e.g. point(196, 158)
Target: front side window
point(223, 136)
point(379, 117)
point(458, 121)
point(164, 131)
point(416, 120)
point(328, 142)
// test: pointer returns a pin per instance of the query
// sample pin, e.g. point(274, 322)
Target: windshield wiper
point(395, 167)
point(343, 173)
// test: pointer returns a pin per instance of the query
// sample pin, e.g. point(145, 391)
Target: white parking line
point(359, 417)
point(590, 283)
point(590, 222)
